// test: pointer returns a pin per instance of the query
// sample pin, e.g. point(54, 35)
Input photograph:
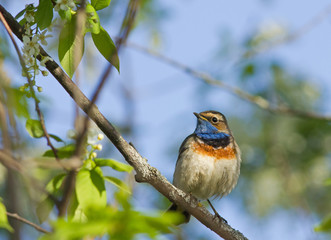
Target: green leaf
point(44, 14)
point(34, 128)
point(100, 4)
point(3, 218)
point(65, 14)
point(63, 152)
point(106, 47)
point(118, 166)
point(325, 226)
point(45, 207)
point(118, 183)
point(90, 188)
point(71, 47)
point(20, 14)
point(93, 21)
point(54, 185)
point(56, 138)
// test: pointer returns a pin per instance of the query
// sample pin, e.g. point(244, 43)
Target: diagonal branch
point(144, 172)
point(206, 78)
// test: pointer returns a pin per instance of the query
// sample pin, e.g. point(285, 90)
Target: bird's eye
point(214, 119)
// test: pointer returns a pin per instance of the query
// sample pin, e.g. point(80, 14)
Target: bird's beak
point(199, 116)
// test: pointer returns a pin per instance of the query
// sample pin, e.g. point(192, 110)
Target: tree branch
point(19, 218)
point(208, 79)
point(144, 172)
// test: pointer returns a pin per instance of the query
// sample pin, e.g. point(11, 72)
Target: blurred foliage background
point(284, 186)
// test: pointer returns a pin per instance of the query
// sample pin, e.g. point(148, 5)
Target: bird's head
point(211, 122)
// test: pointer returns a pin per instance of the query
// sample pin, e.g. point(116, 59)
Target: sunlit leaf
point(118, 166)
point(106, 47)
point(118, 183)
point(44, 14)
point(93, 21)
point(71, 47)
point(3, 218)
point(100, 4)
point(90, 189)
point(34, 128)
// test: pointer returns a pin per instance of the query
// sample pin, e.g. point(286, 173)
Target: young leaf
point(63, 152)
point(71, 47)
point(44, 14)
point(100, 4)
point(106, 47)
point(325, 226)
point(56, 138)
point(118, 183)
point(20, 14)
point(118, 166)
point(93, 21)
point(3, 218)
point(90, 189)
point(34, 128)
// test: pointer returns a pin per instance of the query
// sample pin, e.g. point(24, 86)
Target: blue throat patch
point(205, 130)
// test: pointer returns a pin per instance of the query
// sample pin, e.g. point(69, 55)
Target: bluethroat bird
point(209, 160)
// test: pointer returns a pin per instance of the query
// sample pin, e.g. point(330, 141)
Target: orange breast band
point(228, 152)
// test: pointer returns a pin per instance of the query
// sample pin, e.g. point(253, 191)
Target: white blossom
point(31, 45)
point(64, 5)
point(44, 60)
point(43, 36)
point(29, 16)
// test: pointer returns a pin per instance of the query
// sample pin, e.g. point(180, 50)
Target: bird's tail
point(186, 215)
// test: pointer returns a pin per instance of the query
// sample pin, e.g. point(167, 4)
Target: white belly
point(205, 177)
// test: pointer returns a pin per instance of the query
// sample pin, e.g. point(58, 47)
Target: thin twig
point(19, 218)
point(33, 94)
point(205, 77)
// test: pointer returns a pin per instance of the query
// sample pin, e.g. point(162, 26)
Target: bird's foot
point(220, 218)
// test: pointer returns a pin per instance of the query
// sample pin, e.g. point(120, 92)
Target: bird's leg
point(216, 213)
